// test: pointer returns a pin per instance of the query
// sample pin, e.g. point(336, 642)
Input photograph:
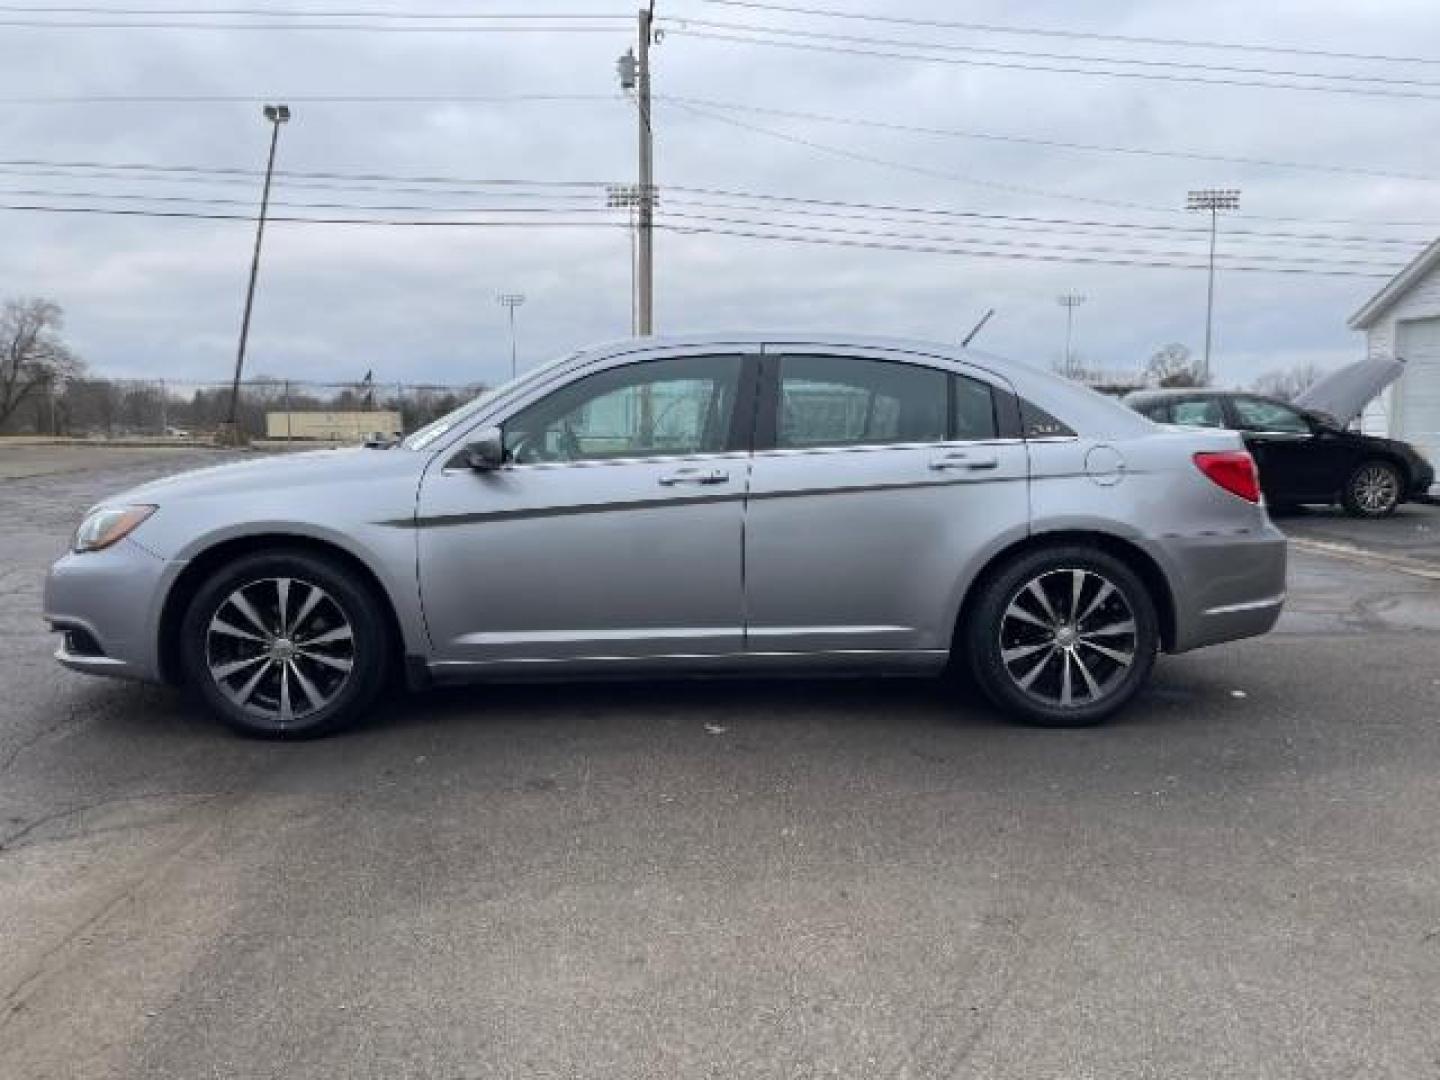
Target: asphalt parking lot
point(1240, 877)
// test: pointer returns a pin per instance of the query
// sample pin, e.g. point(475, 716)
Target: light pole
point(1213, 200)
point(230, 430)
point(510, 301)
point(1069, 301)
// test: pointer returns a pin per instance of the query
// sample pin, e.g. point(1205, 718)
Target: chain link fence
point(293, 410)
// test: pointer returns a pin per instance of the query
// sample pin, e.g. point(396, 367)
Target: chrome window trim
point(601, 463)
point(870, 448)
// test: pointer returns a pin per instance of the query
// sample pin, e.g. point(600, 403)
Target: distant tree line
point(45, 389)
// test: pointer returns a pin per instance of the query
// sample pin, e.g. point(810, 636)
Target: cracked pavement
point(1239, 877)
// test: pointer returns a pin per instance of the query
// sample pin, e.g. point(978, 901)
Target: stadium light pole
point(510, 301)
point(230, 430)
point(1069, 301)
point(1213, 200)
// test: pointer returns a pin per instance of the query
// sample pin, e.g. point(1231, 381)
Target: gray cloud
point(162, 298)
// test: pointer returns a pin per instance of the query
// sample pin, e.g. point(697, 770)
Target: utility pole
point(646, 269)
point(1069, 301)
point(1213, 200)
point(230, 430)
point(510, 301)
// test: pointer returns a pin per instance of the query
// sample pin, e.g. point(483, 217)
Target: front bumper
point(109, 602)
point(1226, 587)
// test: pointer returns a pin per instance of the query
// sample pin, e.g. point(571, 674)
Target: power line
point(687, 204)
point(310, 13)
point(184, 170)
point(1022, 244)
point(879, 242)
point(1074, 228)
point(185, 215)
point(938, 46)
point(1187, 155)
point(199, 200)
point(844, 50)
point(944, 250)
point(307, 99)
point(922, 170)
point(373, 28)
point(728, 106)
point(1128, 39)
point(594, 189)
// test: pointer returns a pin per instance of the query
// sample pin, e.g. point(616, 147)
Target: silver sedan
point(692, 506)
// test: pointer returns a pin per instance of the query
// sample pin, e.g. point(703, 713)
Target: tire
point(1075, 679)
point(1373, 490)
point(318, 676)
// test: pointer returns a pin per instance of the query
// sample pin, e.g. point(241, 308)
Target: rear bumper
point(1225, 587)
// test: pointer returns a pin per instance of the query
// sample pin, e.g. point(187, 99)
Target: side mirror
point(487, 451)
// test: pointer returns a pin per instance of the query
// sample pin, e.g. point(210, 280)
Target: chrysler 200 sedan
point(692, 505)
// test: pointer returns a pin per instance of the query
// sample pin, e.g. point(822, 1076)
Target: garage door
point(1417, 418)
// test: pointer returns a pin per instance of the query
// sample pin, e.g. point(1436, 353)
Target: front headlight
point(108, 525)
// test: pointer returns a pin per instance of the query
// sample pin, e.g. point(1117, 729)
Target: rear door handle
point(694, 476)
point(966, 461)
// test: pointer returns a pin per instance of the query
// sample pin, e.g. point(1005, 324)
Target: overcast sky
point(162, 297)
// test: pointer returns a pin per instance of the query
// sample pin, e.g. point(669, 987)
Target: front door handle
point(966, 461)
point(694, 476)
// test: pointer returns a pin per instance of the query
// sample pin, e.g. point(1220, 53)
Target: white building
point(1402, 321)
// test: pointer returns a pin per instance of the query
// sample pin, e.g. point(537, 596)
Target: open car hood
point(1343, 394)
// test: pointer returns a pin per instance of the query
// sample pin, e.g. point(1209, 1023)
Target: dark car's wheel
point(1062, 637)
point(1373, 490)
point(285, 645)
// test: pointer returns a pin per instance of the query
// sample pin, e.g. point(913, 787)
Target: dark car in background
point(1304, 450)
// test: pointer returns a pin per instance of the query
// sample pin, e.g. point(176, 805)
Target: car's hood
point(1343, 394)
point(271, 471)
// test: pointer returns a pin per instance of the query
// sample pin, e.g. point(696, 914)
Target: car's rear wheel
point(1373, 490)
point(285, 645)
point(1062, 637)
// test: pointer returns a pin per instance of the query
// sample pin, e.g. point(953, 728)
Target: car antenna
point(977, 328)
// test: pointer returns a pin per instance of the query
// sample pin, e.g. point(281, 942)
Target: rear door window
point(972, 409)
point(1257, 414)
point(1197, 412)
point(854, 401)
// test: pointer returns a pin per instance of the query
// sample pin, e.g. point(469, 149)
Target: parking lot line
point(1351, 553)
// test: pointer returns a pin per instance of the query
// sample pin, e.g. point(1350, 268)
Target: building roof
point(1396, 288)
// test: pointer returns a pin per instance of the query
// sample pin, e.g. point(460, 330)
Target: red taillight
point(1234, 471)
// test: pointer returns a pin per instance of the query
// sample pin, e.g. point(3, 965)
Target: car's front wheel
point(1373, 490)
point(1062, 637)
point(285, 644)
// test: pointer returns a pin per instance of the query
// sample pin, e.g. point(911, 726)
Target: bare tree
point(1288, 383)
point(33, 357)
point(1172, 365)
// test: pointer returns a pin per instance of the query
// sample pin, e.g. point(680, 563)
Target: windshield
point(419, 440)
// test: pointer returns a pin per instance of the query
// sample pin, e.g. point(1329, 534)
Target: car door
point(874, 475)
point(1282, 441)
point(613, 530)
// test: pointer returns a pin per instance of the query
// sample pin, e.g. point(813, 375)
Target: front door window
point(679, 406)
